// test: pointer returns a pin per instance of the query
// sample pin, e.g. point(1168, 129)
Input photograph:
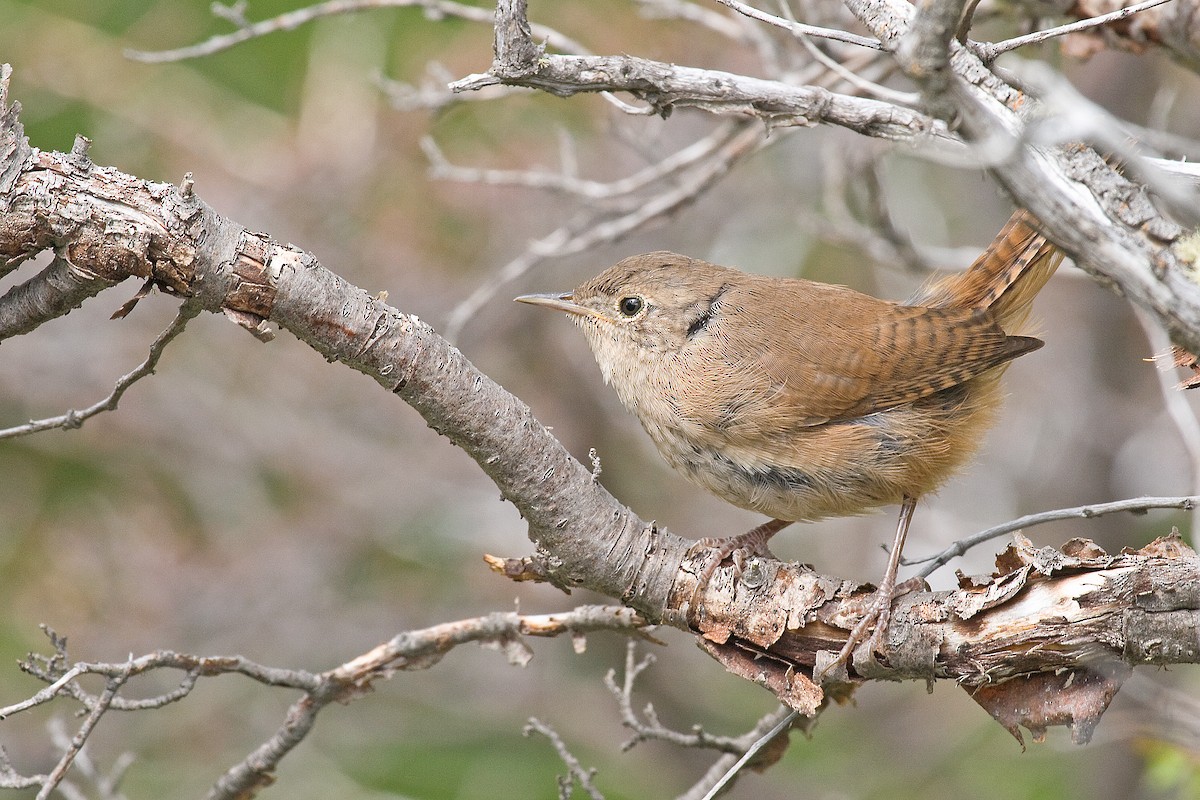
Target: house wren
point(802, 400)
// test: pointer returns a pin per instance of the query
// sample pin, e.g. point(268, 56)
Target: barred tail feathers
point(1005, 278)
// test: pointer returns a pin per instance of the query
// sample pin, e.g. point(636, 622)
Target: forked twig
point(989, 52)
point(74, 419)
point(575, 771)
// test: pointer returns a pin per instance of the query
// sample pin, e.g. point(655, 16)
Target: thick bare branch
point(668, 86)
point(227, 268)
point(1044, 613)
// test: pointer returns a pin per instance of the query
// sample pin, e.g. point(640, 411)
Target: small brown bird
point(802, 400)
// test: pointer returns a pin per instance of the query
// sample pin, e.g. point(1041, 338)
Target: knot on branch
point(515, 50)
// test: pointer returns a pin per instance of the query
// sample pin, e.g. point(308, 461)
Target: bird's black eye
point(630, 306)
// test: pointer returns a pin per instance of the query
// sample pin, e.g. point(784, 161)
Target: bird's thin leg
point(887, 588)
point(752, 542)
point(880, 612)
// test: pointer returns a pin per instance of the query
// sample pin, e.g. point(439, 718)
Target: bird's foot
point(738, 548)
point(879, 615)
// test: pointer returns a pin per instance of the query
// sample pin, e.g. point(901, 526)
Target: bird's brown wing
point(838, 354)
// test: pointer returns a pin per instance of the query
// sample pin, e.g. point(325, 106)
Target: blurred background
point(251, 498)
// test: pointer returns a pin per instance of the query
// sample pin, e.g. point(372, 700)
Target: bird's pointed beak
point(559, 301)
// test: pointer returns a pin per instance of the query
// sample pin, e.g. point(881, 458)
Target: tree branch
point(1171, 26)
point(179, 242)
point(411, 650)
point(1135, 505)
point(667, 86)
point(989, 52)
point(1105, 222)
